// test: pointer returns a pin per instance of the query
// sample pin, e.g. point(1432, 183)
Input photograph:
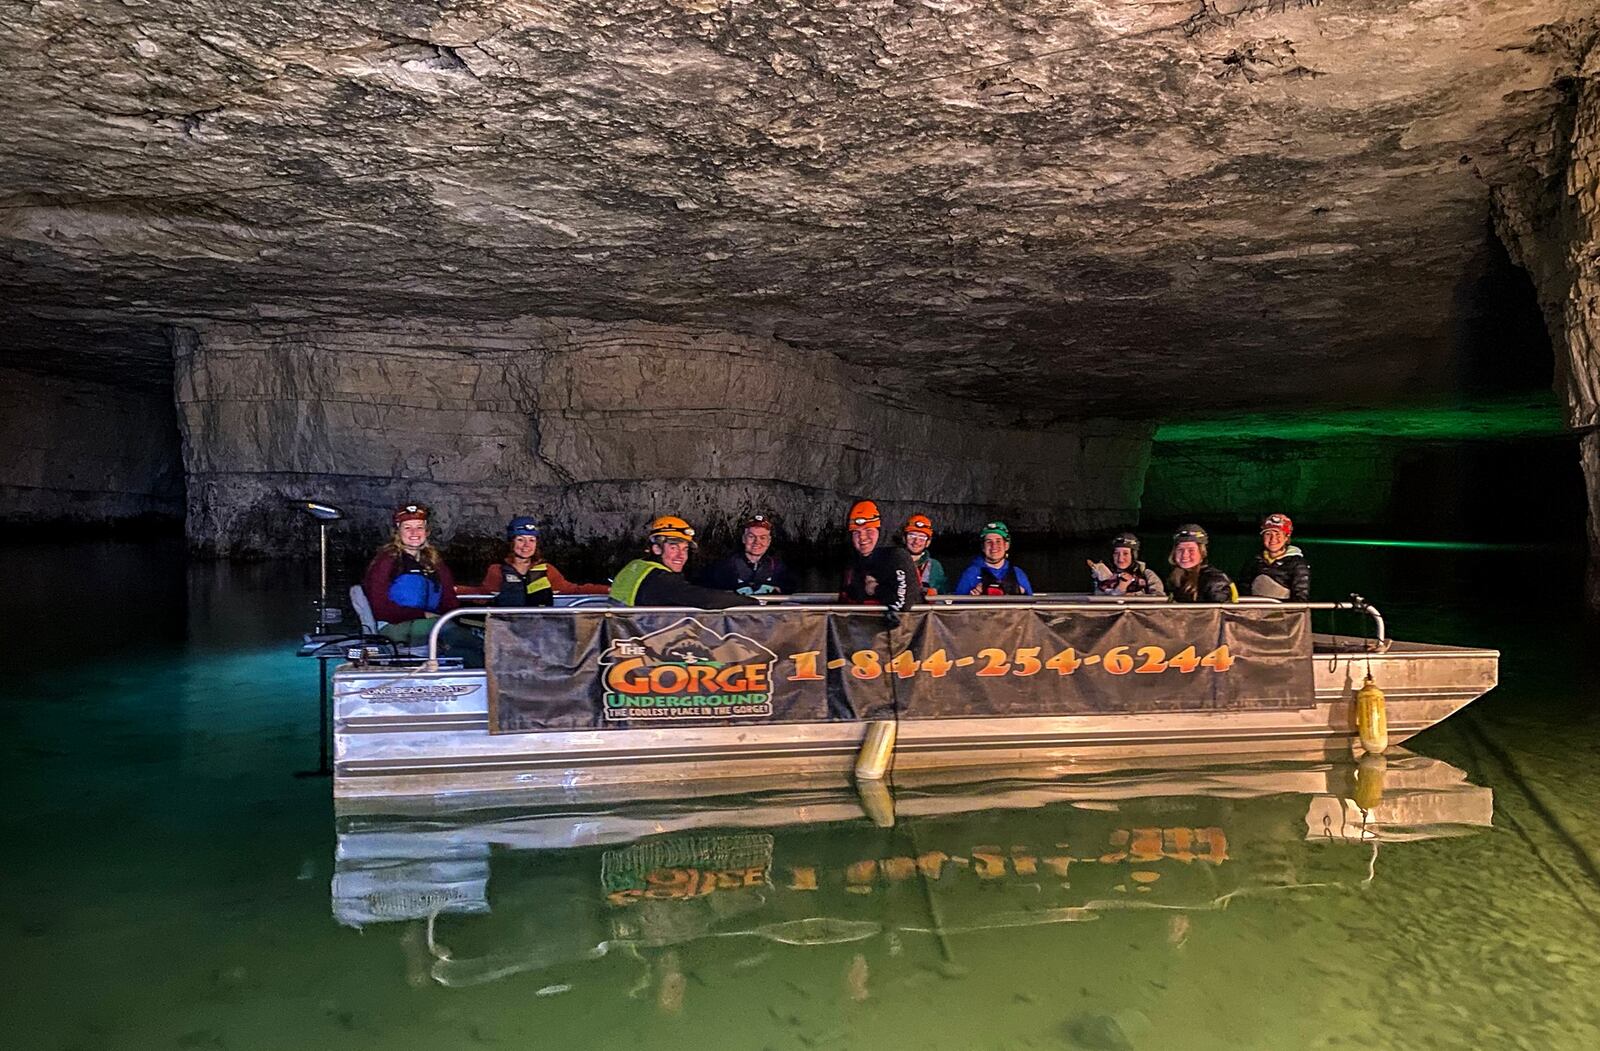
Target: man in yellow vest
point(657, 580)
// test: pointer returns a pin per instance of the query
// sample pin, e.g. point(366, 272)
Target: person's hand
point(977, 589)
point(1098, 570)
point(870, 585)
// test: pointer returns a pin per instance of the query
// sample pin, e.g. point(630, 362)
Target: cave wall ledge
point(595, 426)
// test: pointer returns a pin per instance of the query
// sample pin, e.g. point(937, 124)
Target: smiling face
point(1273, 540)
point(1121, 557)
point(413, 534)
point(864, 539)
point(1186, 555)
point(756, 541)
point(995, 548)
point(524, 547)
point(674, 554)
point(916, 543)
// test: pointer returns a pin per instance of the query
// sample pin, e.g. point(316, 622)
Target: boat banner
point(594, 669)
point(588, 670)
point(962, 663)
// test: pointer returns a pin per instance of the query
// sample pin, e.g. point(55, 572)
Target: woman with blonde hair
point(408, 586)
point(1193, 578)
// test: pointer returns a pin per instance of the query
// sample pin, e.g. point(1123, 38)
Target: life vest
point(531, 587)
point(754, 575)
point(416, 588)
point(1140, 583)
point(625, 588)
point(1005, 584)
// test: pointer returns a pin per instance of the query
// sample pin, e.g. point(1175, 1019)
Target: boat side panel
point(426, 734)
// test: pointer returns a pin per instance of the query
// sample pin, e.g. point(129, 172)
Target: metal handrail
point(1356, 603)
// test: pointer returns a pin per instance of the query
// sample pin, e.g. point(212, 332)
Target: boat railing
point(986, 603)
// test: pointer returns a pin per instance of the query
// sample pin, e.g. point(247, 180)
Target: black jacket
point(1290, 570)
point(1210, 584)
point(899, 584)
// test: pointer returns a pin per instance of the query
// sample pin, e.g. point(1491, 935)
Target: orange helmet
point(670, 527)
point(919, 523)
point(863, 513)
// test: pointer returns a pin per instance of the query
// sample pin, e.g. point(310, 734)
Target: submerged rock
point(1108, 1032)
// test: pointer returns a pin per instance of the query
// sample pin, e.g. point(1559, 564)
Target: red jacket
point(381, 573)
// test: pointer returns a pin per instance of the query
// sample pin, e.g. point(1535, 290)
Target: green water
point(170, 884)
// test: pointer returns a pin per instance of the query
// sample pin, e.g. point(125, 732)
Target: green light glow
point(1525, 415)
point(1424, 545)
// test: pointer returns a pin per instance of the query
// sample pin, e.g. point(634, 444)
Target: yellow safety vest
point(625, 588)
point(538, 583)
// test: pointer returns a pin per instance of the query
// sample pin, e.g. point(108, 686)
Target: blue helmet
point(521, 525)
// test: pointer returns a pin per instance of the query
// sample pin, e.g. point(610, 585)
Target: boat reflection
point(926, 861)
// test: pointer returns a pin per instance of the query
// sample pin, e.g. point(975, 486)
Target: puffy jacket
point(1289, 571)
point(1208, 584)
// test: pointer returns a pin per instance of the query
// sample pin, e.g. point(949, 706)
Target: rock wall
point(596, 426)
point(1459, 489)
point(1547, 209)
point(79, 452)
point(1233, 485)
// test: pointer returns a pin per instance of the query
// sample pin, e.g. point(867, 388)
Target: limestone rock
point(595, 427)
point(1016, 206)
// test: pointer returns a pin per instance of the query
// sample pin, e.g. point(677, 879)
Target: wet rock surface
point(1548, 213)
point(1048, 215)
point(1036, 205)
point(86, 452)
point(592, 427)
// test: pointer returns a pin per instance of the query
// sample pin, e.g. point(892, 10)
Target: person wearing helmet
point(1125, 575)
point(877, 574)
point(1280, 571)
point(657, 579)
point(916, 535)
point(993, 572)
point(1194, 579)
point(523, 577)
point(754, 569)
point(408, 585)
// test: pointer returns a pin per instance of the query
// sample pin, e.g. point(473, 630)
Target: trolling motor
point(323, 515)
point(317, 644)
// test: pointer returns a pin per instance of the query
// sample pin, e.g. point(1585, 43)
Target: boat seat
point(363, 609)
point(371, 625)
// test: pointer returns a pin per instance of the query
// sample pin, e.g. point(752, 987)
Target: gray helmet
point(1127, 540)
point(1190, 531)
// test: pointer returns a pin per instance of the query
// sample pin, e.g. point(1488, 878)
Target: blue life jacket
point(416, 590)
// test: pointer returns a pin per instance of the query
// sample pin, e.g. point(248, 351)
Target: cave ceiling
point(1083, 205)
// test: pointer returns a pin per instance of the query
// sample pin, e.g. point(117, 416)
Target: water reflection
point(542, 892)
